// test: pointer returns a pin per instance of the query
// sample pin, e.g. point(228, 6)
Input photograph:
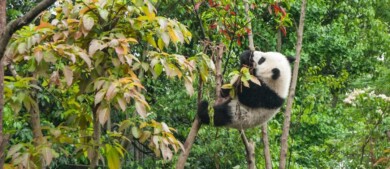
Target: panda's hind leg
point(222, 114)
point(203, 112)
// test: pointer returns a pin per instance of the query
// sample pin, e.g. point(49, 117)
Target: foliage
point(134, 69)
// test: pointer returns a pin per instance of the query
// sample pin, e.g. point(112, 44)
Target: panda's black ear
point(291, 59)
point(245, 58)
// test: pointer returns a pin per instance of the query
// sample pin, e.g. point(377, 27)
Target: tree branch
point(290, 99)
point(15, 25)
point(267, 154)
point(250, 150)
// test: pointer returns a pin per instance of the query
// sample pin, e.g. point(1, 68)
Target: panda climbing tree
point(256, 101)
point(245, 108)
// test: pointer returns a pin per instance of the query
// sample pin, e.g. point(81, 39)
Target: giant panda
point(256, 104)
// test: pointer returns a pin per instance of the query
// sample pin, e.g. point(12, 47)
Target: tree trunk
point(249, 146)
point(250, 35)
point(267, 154)
point(3, 138)
point(290, 99)
point(96, 138)
point(279, 41)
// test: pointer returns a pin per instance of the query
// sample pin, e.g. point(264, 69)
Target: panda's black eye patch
point(262, 60)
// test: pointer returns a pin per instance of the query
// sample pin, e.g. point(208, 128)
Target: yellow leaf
point(172, 35)
point(145, 135)
point(151, 41)
point(44, 25)
point(150, 14)
point(227, 86)
point(160, 44)
point(113, 158)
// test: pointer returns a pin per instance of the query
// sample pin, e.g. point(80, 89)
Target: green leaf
point(113, 157)
point(136, 132)
point(158, 68)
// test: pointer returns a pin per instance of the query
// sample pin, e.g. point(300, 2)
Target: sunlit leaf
point(136, 132)
point(68, 73)
point(172, 35)
point(86, 58)
point(111, 91)
point(227, 86)
point(122, 103)
point(234, 79)
point(188, 85)
point(141, 109)
point(145, 135)
point(255, 80)
point(104, 114)
point(113, 158)
point(14, 149)
point(99, 96)
point(47, 155)
point(22, 48)
point(88, 22)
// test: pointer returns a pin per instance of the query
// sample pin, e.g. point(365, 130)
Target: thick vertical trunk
point(96, 139)
point(249, 146)
point(3, 138)
point(267, 154)
point(290, 99)
point(36, 126)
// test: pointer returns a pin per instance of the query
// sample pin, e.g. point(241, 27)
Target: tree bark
point(96, 138)
point(3, 138)
point(279, 41)
point(188, 144)
point(290, 99)
point(250, 35)
point(250, 150)
point(249, 146)
point(15, 25)
point(267, 153)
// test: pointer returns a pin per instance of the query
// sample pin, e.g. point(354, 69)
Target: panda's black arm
point(246, 58)
point(225, 92)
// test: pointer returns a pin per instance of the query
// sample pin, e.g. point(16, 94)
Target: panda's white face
point(274, 69)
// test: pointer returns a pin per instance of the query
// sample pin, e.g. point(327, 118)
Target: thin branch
point(200, 21)
point(290, 99)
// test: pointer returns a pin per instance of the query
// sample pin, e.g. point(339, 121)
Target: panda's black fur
point(256, 104)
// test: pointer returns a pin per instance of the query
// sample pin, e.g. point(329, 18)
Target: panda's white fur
point(255, 105)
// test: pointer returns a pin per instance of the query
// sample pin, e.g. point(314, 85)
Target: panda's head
point(272, 68)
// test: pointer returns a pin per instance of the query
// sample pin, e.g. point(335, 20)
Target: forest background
point(103, 83)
